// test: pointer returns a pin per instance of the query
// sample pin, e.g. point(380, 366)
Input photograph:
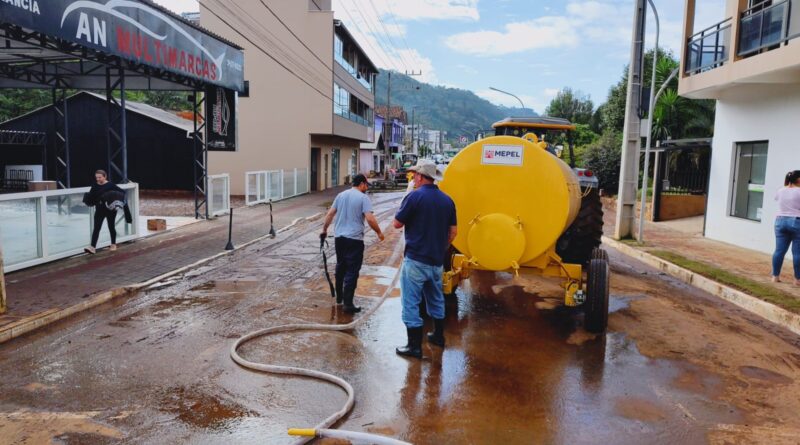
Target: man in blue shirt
point(350, 208)
point(429, 218)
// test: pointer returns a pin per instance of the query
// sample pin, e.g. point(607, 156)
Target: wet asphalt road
point(677, 366)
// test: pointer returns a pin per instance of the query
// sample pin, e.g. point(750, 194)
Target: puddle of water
point(381, 275)
point(202, 410)
point(764, 375)
point(234, 286)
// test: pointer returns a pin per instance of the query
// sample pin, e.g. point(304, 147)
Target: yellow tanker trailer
point(514, 200)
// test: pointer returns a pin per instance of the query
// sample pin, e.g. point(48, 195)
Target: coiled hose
point(320, 430)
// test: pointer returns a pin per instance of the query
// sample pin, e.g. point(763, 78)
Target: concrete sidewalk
point(685, 239)
point(39, 292)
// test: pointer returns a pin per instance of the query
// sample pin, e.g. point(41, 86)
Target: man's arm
point(373, 223)
point(397, 224)
point(453, 234)
point(328, 220)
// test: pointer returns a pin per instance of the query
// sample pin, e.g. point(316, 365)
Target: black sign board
point(221, 118)
point(133, 30)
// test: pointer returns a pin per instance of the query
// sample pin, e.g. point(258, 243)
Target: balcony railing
point(765, 27)
point(353, 72)
point(709, 48)
point(352, 116)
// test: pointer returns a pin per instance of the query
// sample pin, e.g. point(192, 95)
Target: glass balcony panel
point(19, 221)
point(709, 48)
point(773, 25)
point(749, 30)
point(69, 223)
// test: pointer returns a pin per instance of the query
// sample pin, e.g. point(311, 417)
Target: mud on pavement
point(676, 366)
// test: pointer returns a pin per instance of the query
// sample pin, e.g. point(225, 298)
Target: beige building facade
point(749, 62)
point(308, 107)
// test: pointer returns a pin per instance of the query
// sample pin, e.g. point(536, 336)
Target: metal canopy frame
point(30, 59)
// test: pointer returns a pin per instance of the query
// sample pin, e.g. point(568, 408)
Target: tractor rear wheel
point(584, 235)
point(599, 254)
point(596, 305)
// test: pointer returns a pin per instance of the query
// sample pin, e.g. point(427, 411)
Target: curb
point(763, 309)
point(40, 320)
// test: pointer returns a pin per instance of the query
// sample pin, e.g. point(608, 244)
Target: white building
point(753, 75)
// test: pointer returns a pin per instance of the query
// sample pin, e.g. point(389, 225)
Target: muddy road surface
point(676, 366)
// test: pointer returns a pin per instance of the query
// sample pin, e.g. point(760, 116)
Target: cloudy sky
point(531, 48)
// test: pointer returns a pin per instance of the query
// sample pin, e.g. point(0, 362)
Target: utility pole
point(631, 138)
point(388, 129)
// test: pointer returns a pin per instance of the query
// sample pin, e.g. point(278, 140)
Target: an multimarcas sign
point(133, 30)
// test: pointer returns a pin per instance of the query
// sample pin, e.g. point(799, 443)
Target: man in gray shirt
point(350, 209)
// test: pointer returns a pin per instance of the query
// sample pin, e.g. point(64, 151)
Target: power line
point(265, 52)
point(293, 34)
point(299, 61)
point(403, 36)
point(332, 71)
point(379, 53)
point(376, 34)
point(388, 34)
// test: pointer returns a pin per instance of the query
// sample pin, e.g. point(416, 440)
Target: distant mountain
point(456, 111)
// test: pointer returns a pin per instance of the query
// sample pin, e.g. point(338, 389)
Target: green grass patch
point(754, 288)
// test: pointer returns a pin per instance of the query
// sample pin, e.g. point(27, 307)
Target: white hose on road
point(320, 430)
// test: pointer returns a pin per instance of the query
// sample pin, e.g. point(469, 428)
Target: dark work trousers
point(101, 213)
point(349, 256)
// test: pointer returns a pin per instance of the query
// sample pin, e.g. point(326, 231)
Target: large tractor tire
point(596, 305)
point(584, 235)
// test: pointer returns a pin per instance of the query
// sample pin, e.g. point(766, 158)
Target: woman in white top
point(787, 226)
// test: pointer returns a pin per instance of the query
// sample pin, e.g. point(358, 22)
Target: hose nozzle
point(305, 432)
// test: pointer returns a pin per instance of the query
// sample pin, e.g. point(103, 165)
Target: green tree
point(571, 105)
point(603, 157)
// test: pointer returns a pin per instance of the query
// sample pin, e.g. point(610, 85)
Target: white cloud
point(421, 64)
point(536, 103)
point(544, 32)
point(179, 6)
point(431, 9)
point(584, 23)
point(551, 92)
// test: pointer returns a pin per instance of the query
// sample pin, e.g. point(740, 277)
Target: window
point(748, 180)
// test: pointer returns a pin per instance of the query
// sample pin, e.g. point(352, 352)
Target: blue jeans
point(418, 281)
point(787, 231)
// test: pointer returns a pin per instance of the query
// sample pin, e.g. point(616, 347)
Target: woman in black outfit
point(103, 195)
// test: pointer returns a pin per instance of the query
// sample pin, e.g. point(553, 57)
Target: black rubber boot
point(414, 346)
point(437, 336)
point(349, 307)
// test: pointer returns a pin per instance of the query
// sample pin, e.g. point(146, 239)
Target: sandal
point(89, 250)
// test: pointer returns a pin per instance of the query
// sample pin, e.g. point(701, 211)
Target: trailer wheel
point(584, 235)
point(596, 306)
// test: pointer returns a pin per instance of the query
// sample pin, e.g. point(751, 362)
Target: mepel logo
point(28, 5)
point(502, 155)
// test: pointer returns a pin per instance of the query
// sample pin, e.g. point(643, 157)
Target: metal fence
point(709, 48)
point(219, 194)
point(765, 26)
point(38, 227)
point(274, 185)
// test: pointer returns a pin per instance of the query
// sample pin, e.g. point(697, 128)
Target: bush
point(603, 157)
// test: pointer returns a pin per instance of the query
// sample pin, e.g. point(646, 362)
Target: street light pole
point(653, 98)
point(512, 95)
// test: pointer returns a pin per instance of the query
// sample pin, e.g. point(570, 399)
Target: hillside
point(453, 110)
